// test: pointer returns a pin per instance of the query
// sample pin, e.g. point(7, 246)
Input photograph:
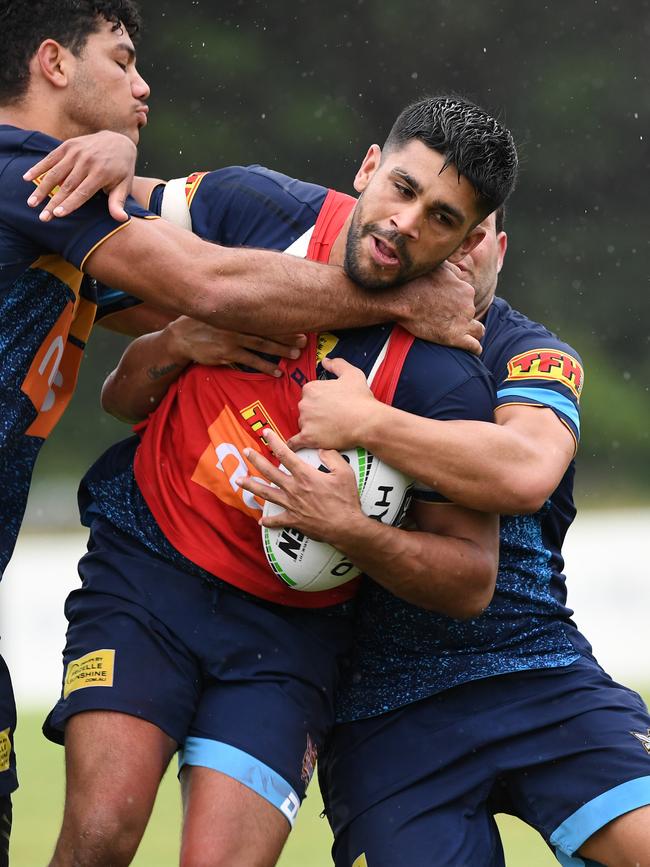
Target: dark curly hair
point(476, 144)
point(25, 24)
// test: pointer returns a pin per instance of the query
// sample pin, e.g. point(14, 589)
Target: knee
point(194, 856)
point(225, 854)
point(102, 837)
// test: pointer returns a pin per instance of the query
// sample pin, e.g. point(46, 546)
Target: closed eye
point(403, 190)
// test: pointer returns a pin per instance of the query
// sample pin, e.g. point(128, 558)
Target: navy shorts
point(567, 750)
point(8, 778)
point(244, 686)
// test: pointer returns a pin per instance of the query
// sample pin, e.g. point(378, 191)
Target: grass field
point(39, 801)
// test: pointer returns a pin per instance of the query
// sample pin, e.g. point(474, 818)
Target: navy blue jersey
point(257, 207)
point(248, 207)
point(404, 654)
point(47, 308)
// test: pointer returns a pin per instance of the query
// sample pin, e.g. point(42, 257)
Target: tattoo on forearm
point(154, 373)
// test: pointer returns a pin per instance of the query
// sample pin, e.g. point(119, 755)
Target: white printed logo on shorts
point(645, 740)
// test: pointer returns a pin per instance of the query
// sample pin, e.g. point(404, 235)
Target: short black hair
point(25, 24)
point(480, 147)
point(500, 219)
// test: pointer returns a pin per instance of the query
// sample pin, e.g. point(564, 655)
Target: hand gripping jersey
point(257, 207)
point(192, 450)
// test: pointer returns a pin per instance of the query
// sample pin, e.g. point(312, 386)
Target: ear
point(472, 239)
point(368, 167)
point(502, 241)
point(52, 62)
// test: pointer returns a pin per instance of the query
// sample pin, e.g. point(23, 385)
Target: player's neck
point(483, 306)
point(25, 116)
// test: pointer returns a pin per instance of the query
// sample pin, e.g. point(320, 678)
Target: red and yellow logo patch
point(192, 184)
point(38, 182)
point(257, 418)
point(548, 364)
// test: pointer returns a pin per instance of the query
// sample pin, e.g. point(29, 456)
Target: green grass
point(38, 806)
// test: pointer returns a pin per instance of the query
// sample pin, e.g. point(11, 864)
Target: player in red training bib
point(185, 638)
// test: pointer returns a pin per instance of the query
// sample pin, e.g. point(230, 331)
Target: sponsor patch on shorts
point(93, 669)
point(5, 750)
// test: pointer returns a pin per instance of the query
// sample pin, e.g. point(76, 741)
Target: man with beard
point(444, 723)
point(181, 629)
point(69, 69)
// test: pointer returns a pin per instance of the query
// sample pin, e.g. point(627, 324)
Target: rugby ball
point(305, 564)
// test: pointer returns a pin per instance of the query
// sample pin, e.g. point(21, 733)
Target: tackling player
point(181, 634)
point(445, 723)
point(69, 68)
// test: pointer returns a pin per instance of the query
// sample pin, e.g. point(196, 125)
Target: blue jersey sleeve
point(531, 366)
point(435, 381)
point(25, 237)
point(155, 199)
point(543, 372)
point(248, 206)
point(444, 384)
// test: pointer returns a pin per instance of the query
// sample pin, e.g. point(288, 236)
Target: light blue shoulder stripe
point(546, 397)
point(241, 766)
point(595, 814)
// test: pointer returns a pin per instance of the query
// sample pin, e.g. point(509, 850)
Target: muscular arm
point(150, 364)
point(490, 467)
point(448, 564)
point(493, 467)
point(243, 289)
point(145, 372)
point(240, 290)
point(137, 320)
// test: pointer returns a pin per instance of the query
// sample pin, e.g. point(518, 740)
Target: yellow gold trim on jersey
point(101, 241)
point(84, 319)
point(93, 669)
point(62, 270)
point(5, 750)
point(548, 364)
point(257, 418)
point(192, 184)
point(39, 180)
point(361, 861)
point(326, 344)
